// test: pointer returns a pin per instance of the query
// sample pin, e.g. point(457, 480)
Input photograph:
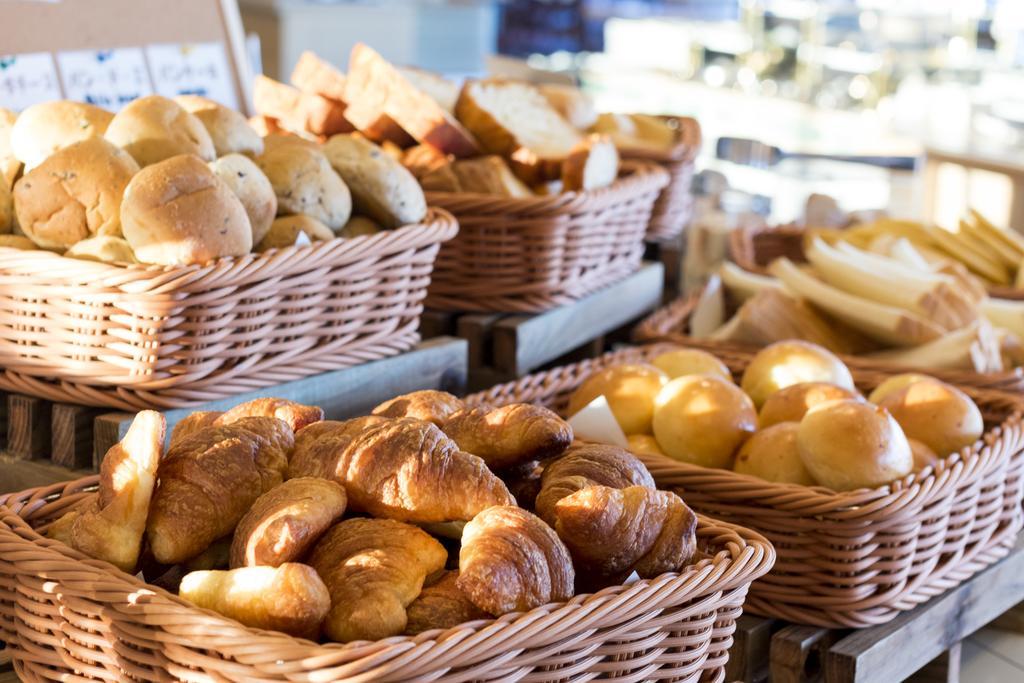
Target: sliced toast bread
point(314, 75)
point(299, 111)
point(593, 164)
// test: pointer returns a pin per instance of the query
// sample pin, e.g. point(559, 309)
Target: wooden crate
point(503, 347)
point(669, 253)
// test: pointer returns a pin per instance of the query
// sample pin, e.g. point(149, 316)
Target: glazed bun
point(18, 242)
point(154, 128)
point(785, 363)
point(851, 444)
point(690, 362)
point(6, 210)
point(358, 226)
point(894, 384)
point(630, 391)
point(285, 230)
point(250, 185)
point(771, 454)
point(793, 402)
point(44, 128)
point(74, 194)
point(105, 248)
point(937, 414)
point(644, 444)
point(923, 456)
point(305, 183)
point(9, 164)
point(229, 131)
point(178, 212)
point(703, 419)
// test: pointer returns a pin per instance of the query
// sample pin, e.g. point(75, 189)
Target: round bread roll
point(644, 443)
point(9, 164)
point(74, 194)
point(681, 362)
point(305, 183)
point(793, 402)
point(381, 187)
point(630, 391)
point(850, 444)
point(894, 384)
point(252, 188)
point(703, 419)
point(937, 414)
point(923, 456)
point(785, 363)
point(285, 230)
point(6, 210)
point(106, 248)
point(283, 139)
point(44, 128)
point(18, 242)
point(178, 212)
point(154, 128)
point(357, 226)
point(771, 454)
point(229, 131)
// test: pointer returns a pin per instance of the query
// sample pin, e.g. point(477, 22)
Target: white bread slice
point(443, 91)
point(375, 90)
point(299, 111)
point(489, 175)
point(572, 103)
point(593, 164)
point(513, 119)
point(314, 75)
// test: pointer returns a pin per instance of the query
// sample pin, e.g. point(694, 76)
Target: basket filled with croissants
point(168, 254)
point(430, 540)
point(878, 491)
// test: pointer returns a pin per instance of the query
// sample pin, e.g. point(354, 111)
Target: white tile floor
point(992, 656)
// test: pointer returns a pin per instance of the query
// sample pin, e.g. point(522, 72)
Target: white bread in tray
point(593, 164)
point(515, 120)
point(376, 92)
point(314, 75)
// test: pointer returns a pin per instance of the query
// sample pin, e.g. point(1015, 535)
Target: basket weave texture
point(167, 337)
point(854, 558)
point(67, 617)
point(531, 254)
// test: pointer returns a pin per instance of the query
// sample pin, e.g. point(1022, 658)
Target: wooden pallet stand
point(669, 253)
point(45, 442)
point(922, 645)
point(503, 347)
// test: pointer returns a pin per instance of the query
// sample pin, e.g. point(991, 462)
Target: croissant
point(613, 532)
point(373, 569)
point(523, 482)
point(441, 605)
point(403, 469)
point(285, 521)
point(295, 415)
point(509, 435)
point(512, 561)
point(291, 598)
point(588, 464)
point(110, 527)
point(193, 423)
point(318, 446)
point(209, 480)
point(432, 406)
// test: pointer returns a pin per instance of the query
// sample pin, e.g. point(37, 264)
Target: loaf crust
point(154, 128)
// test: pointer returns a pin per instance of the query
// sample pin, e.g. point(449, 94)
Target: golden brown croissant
point(209, 480)
point(291, 598)
point(192, 423)
point(316, 430)
point(523, 482)
point(404, 469)
point(110, 526)
point(429, 405)
point(613, 532)
point(509, 435)
point(512, 561)
point(318, 446)
point(588, 464)
point(373, 569)
point(295, 415)
point(441, 605)
point(285, 521)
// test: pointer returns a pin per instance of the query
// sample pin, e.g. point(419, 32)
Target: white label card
point(106, 78)
point(26, 79)
point(596, 422)
point(201, 69)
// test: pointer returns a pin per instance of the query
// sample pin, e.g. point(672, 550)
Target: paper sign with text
point(27, 79)
point(107, 78)
point(201, 69)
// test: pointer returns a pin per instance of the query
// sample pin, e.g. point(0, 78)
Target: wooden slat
point(437, 324)
point(748, 656)
point(107, 430)
point(943, 669)
point(17, 474)
point(28, 427)
point(1011, 620)
point(476, 329)
point(670, 254)
point(71, 427)
point(797, 653)
point(524, 343)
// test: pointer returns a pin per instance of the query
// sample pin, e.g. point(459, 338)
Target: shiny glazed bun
point(786, 363)
point(793, 402)
point(682, 362)
point(937, 414)
point(772, 455)
point(630, 390)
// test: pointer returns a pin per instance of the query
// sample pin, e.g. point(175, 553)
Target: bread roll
point(893, 384)
point(252, 188)
point(17, 242)
point(771, 454)
point(690, 362)
point(6, 210)
point(849, 444)
point(937, 414)
point(793, 402)
point(44, 128)
point(9, 164)
point(154, 128)
point(358, 226)
point(785, 363)
point(703, 419)
point(304, 182)
point(923, 456)
point(630, 391)
point(229, 131)
point(285, 230)
point(381, 187)
point(74, 194)
point(178, 212)
point(105, 248)
point(644, 444)
point(483, 175)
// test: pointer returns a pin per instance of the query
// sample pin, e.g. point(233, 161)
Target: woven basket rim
point(688, 146)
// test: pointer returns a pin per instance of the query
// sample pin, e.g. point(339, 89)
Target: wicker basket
point(532, 254)
point(166, 337)
point(849, 559)
point(66, 617)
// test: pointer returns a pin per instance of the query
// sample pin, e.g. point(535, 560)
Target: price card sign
point(200, 69)
point(106, 78)
point(26, 79)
